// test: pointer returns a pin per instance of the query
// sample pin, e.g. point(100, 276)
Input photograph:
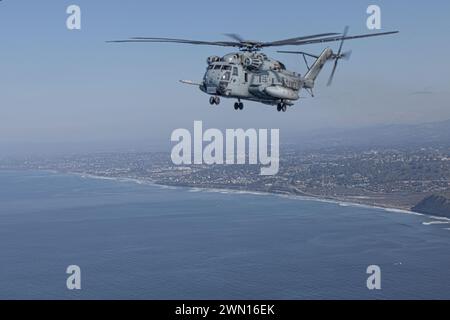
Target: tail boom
point(317, 67)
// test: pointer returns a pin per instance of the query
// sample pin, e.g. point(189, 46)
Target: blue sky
point(70, 88)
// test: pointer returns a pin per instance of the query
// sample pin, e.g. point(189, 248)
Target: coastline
point(280, 193)
point(342, 202)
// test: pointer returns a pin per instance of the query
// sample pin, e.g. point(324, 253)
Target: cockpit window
point(210, 67)
point(228, 68)
point(226, 76)
point(235, 71)
point(217, 67)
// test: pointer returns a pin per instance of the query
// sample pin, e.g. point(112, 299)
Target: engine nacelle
point(212, 59)
point(252, 63)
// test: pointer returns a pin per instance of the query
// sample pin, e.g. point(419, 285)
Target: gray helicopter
point(251, 75)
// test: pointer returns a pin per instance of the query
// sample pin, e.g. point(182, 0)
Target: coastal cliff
point(435, 205)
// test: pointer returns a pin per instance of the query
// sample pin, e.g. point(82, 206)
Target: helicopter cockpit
point(219, 73)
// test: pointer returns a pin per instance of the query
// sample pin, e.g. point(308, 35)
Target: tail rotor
point(339, 55)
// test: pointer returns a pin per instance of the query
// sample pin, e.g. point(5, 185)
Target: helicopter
point(251, 75)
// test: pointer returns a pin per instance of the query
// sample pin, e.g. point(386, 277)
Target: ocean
point(138, 241)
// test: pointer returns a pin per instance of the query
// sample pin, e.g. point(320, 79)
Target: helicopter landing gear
point(282, 107)
point(238, 106)
point(214, 100)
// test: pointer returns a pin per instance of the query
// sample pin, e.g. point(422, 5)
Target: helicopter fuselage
point(251, 76)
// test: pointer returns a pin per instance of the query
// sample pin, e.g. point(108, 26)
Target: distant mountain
point(436, 133)
point(434, 205)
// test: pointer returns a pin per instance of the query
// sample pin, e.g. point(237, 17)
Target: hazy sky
point(62, 89)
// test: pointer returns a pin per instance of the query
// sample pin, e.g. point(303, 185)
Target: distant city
point(397, 178)
point(408, 169)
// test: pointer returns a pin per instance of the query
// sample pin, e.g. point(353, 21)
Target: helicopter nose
point(210, 83)
point(211, 79)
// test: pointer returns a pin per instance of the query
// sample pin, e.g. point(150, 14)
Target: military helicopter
point(251, 75)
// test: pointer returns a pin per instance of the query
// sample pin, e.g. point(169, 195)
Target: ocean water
point(135, 241)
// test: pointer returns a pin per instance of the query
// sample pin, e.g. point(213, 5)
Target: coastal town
point(387, 177)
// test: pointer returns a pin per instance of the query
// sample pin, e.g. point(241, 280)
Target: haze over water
point(149, 242)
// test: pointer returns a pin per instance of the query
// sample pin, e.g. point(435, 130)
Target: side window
point(246, 77)
point(226, 76)
point(235, 71)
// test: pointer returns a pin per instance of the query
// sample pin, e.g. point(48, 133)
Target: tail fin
point(315, 69)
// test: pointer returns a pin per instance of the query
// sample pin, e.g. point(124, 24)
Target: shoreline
point(337, 201)
point(284, 194)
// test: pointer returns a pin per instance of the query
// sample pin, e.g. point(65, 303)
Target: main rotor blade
point(295, 40)
point(187, 41)
point(182, 41)
point(299, 41)
point(235, 36)
point(241, 42)
point(300, 52)
point(340, 38)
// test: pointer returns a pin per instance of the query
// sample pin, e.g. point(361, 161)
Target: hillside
point(435, 205)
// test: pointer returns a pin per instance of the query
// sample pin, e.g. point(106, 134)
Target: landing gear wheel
point(236, 106)
point(279, 107)
point(241, 106)
point(284, 108)
point(217, 100)
point(212, 100)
